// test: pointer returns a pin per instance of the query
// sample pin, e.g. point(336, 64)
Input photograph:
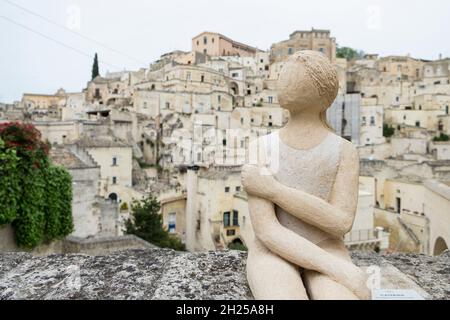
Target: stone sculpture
point(302, 186)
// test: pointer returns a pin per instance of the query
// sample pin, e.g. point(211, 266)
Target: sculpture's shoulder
point(349, 152)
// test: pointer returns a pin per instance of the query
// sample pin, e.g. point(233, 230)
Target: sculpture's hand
point(258, 181)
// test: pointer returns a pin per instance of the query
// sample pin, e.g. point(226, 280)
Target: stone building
point(317, 40)
point(114, 158)
point(215, 44)
point(402, 67)
point(372, 117)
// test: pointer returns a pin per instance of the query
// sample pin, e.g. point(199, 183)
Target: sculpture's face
point(307, 81)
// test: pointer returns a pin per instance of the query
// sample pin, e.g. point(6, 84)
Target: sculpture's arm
point(301, 252)
point(336, 217)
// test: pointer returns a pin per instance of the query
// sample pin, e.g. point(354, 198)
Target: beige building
point(417, 214)
point(59, 132)
point(215, 44)
point(115, 160)
point(372, 117)
point(317, 40)
point(402, 67)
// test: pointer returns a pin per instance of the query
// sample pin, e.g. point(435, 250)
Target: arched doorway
point(440, 246)
point(238, 245)
point(234, 88)
point(113, 197)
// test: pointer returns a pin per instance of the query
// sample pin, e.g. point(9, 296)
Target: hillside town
point(180, 130)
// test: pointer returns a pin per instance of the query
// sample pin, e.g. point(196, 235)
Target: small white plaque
point(383, 294)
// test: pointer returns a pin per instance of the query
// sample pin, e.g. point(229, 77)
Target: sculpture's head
point(308, 80)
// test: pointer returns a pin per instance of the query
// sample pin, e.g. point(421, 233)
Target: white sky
point(146, 29)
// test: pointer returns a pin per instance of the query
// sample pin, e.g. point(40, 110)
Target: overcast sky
point(37, 56)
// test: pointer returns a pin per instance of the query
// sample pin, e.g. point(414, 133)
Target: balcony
point(367, 239)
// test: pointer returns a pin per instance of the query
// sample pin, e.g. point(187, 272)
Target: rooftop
point(61, 156)
point(101, 142)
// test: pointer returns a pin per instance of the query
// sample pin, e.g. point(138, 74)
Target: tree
point(349, 53)
point(95, 70)
point(388, 131)
point(146, 223)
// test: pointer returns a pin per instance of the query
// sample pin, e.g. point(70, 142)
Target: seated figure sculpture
point(302, 192)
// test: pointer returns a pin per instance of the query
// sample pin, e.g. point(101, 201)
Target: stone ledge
point(165, 274)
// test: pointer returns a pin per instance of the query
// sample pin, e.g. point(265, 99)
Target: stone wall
point(71, 244)
point(158, 274)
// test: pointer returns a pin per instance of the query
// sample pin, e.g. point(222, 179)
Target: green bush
point(36, 197)
point(9, 184)
point(388, 131)
point(442, 138)
point(237, 246)
point(124, 207)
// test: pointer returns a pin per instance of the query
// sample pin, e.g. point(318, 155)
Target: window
point(372, 121)
point(231, 233)
point(167, 105)
point(270, 124)
point(399, 205)
point(114, 180)
point(224, 142)
point(227, 189)
point(235, 218)
point(242, 120)
point(205, 40)
point(270, 99)
point(235, 74)
point(145, 105)
point(114, 161)
point(363, 121)
point(226, 219)
point(202, 78)
point(290, 51)
point(238, 189)
point(172, 222)
point(188, 76)
point(219, 98)
point(418, 124)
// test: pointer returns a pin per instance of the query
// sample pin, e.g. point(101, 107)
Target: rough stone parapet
point(156, 274)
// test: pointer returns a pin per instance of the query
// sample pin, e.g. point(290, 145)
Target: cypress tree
point(95, 71)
